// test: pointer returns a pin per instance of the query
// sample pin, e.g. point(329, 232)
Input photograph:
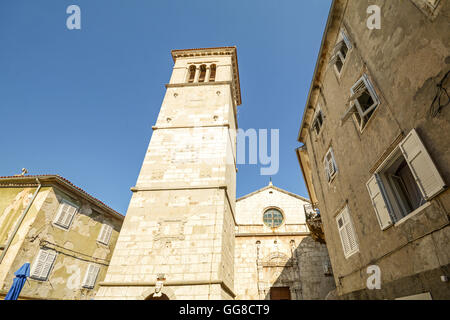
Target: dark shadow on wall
point(307, 274)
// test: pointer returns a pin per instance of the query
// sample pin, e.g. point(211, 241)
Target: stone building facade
point(180, 224)
point(65, 234)
point(275, 256)
point(375, 154)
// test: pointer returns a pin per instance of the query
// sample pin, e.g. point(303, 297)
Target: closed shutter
point(65, 214)
point(422, 167)
point(105, 234)
point(43, 264)
point(347, 233)
point(380, 202)
point(91, 276)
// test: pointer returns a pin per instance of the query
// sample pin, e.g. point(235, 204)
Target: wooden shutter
point(347, 233)
point(380, 202)
point(43, 264)
point(346, 40)
point(91, 276)
point(105, 234)
point(422, 167)
point(65, 214)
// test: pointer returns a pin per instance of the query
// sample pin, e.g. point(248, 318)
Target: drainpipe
point(24, 213)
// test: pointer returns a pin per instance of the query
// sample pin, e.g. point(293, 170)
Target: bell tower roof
point(217, 51)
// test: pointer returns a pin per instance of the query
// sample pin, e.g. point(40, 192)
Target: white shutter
point(105, 234)
point(422, 167)
point(91, 276)
point(65, 214)
point(39, 264)
point(379, 202)
point(43, 264)
point(347, 233)
point(346, 40)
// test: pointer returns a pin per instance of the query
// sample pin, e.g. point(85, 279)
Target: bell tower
point(177, 240)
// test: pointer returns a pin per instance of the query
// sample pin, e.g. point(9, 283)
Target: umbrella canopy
point(18, 282)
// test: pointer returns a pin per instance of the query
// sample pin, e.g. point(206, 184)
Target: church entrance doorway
point(280, 293)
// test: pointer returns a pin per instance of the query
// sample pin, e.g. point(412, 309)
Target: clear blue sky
point(81, 103)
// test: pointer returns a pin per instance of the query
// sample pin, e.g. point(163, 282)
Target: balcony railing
point(314, 222)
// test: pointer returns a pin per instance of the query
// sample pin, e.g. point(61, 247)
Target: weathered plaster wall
point(405, 60)
point(76, 247)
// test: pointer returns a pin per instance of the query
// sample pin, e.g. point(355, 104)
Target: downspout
point(24, 213)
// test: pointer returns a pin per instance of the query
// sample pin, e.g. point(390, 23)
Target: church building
point(184, 235)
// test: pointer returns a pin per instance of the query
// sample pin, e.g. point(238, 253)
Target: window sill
point(412, 214)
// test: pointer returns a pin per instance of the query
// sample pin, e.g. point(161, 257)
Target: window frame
point(108, 235)
point(318, 113)
point(93, 280)
point(343, 230)
point(330, 177)
point(389, 210)
point(276, 209)
point(59, 212)
point(343, 40)
point(50, 253)
point(354, 103)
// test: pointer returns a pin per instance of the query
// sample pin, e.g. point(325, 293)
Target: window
point(212, 76)
point(105, 234)
point(347, 233)
point(340, 52)
point(363, 102)
point(404, 181)
point(318, 120)
point(202, 73)
point(65, 214)
point(91, 276)
point(191, 74)
point(273, 218)
point(330, 165)
point(43, 264)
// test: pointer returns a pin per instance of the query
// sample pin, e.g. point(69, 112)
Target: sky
point(81, 103)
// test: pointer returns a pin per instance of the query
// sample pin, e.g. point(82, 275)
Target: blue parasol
point(18, 282)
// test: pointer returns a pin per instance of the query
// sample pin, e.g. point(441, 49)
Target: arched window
point(202, 73)
point(212, 76)
point(273, 218)
point(191, 74)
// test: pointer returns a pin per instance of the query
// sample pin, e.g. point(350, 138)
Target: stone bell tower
point(177, 240)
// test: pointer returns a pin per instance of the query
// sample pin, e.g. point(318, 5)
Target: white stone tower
point(178, 232)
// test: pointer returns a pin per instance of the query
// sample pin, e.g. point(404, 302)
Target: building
point(65, 234)
point(375, 154)
point(275, 255)
point(179, 228)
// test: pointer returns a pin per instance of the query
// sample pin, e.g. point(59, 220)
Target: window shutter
point(346, 40)
point(91, 276)
point(39, 264)
point(422, 167)
point(105, 234)
point(43, 264)
point(65, 214)
point(350, 232)
point(347, 233)
point(327, 173)
point(379, 202)
point(60, 217)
